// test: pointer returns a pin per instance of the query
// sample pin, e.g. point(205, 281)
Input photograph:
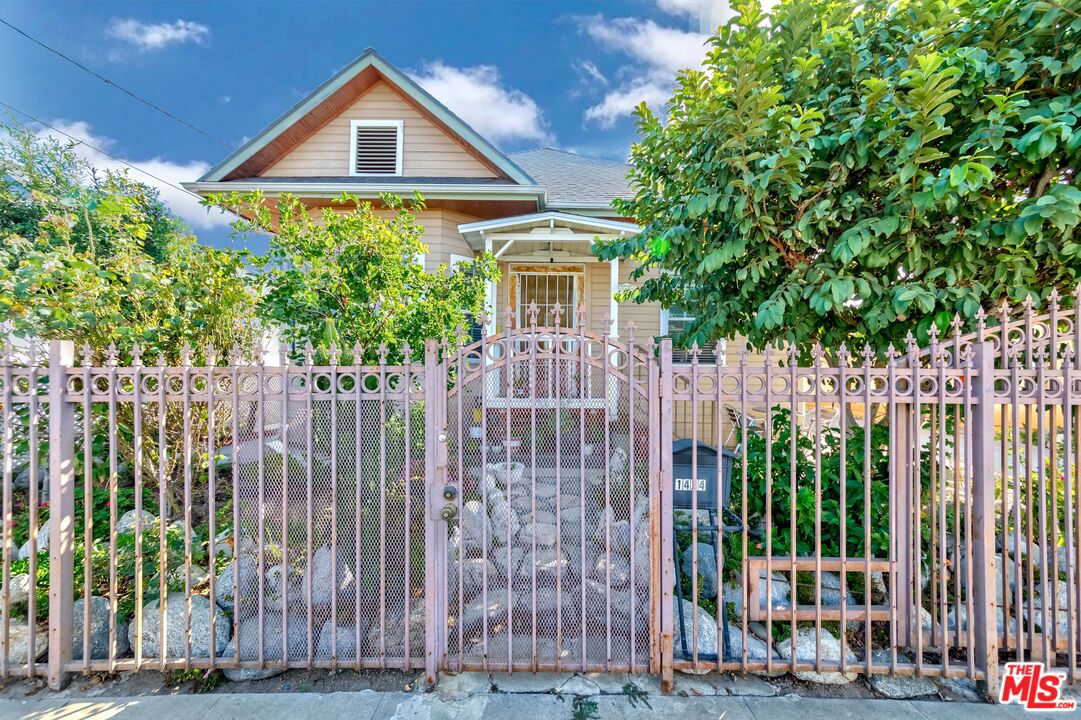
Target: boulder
point(806, 653)
point(344, 644)
point(543, 535)
point(247, 640)
point(18, 642)
point(246, 581)
point(498, 473)
point(616, 568)
point(707, 633)
point(899, 687)
point(756, 650)
point(326, 580)
point(19, 589)
point(545, 564)
point(126, 523)
point(474, 571)
point(476, 532)
point(504, 520)
point(99, 630)
point(176, 627)
point(42, 540)
point(831, 590)
point(707, 568)
point(473, 613)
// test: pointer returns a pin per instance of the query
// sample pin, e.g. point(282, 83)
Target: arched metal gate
point(542, 502)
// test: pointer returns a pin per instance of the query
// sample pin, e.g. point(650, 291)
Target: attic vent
point(376, 147)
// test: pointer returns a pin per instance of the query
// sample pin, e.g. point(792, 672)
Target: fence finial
point(868, 354)
point(211, 355)
point(910, 344)
point(185, 355)
point(818, 353)
point(606, 324)
point(508, 317)
point(932, 333)
point(1077, 296)
point(484, 319)
point(1013, 354)
point(631, 327)
point(557, 314)
point(333, 353)
point(407, 352)
point(111, 355)
point(696, 351)
point(844, 359)
point(136, 354)
point(582, 316)
point(358, 353)
point(892, 354)
point(309, 352)
point(1053, 299)
point(957, 324)
point(88, 355)
point(533, 311)
point(981, 322)
point(1028, 304)
point(381, 351)
point(234, 354)
point(1068, 355)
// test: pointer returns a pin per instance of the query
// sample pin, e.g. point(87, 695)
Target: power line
point(122, 89)
point(97, 149)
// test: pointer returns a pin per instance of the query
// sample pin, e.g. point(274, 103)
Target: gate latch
point(450, 492)
point(448, 512)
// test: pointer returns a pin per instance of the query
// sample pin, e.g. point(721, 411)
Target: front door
point(547, 286)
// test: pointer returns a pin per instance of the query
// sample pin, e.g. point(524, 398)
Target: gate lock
point(450, 492)
point(448, 512)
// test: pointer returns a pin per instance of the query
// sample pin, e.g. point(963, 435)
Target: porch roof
point(551, 226)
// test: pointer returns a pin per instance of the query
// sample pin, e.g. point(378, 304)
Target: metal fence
point(548, 498)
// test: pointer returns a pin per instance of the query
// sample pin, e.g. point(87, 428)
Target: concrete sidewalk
point(372, 705)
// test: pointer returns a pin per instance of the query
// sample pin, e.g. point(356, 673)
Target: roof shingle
point(571, 178)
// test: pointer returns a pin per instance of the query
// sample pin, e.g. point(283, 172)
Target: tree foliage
point(844, 171)
point(348, 275)
point(97, 258)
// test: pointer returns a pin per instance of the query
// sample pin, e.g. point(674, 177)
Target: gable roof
point(330, 98)
point(575, 181)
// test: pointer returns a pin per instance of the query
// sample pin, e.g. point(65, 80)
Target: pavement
point(372, 705)
point(501, 697)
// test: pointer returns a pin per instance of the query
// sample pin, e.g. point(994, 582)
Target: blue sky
point(524, 74)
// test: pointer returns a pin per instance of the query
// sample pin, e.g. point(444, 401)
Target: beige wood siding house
point(370, 129)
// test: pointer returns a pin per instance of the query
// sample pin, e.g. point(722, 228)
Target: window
point(674, 321)
point(376, 147)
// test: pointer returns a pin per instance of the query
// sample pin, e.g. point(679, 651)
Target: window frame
point(354, 125)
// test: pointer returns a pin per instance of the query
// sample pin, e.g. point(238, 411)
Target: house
point(371, 129)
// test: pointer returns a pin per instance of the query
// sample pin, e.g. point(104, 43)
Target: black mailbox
point(683, 479)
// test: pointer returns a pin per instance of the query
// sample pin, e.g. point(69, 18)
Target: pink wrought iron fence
point(548, 498)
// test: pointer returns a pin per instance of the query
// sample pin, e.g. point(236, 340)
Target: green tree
point(844, 171)
point(97, 258)
point(348, 275)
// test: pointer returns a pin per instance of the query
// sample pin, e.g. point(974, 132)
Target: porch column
point(614, 329)
point(489, 296)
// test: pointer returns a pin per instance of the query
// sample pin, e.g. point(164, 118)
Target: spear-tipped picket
point(1013, 354)
point(606, 324)
point(234, 354)
point(185, 355)
point(844, 359)
point(631, 327)
point(582, 316)
point(484, 318)
point(818, 353)
point(211, 355)
point(911, 348)
point(381, 352)
point(358, 353)
point(695, 352)
point(309, 352)
point(111, 355)
point(136, 354)
point(532, 314)
point(334, 354)
point(792, 353)
point(407, 352)
point(1068, 355)
point(87, 353)
point(557, 314)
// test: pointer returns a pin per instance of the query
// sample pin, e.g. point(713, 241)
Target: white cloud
point(656, 53)
point(478, 96)
point(590, 70)
point(155, 36)
point(689, 8)
point(183, 205)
